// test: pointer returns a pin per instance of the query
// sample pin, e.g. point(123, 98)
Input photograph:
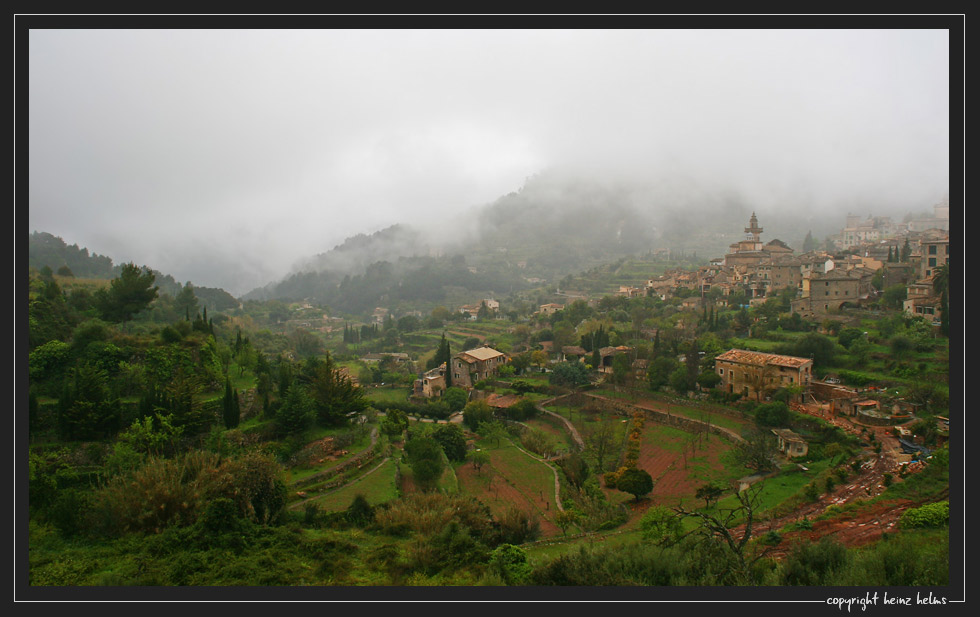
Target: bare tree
point(600, 440)
point(723, 527)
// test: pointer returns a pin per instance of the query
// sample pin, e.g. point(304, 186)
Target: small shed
point(790, 443)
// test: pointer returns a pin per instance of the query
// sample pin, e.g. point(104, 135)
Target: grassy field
point(585, 422)
point(777, 490)
point(386, 395)
point(553, 427)
point(378, 486)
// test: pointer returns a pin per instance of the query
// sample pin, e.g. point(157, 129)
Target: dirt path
point(571, 427)
point(850, 529)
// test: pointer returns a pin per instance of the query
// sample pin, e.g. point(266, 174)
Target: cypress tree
point(232, 415)
point(889, 254)
point(449, 367)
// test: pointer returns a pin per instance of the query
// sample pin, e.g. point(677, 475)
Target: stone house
point(550, 309)
point(432, 383)
point(827, 292)
point(785, 273)
point(469, 367)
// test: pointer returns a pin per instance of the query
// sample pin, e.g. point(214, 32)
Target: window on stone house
point(932, 249)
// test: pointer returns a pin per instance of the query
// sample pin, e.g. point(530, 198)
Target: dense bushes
point(929, 515)
point(772, 414)
point(167, 492)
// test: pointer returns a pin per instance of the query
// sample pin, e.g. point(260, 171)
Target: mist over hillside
point(558, 223)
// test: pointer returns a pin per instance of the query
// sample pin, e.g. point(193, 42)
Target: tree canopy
point(128, 294)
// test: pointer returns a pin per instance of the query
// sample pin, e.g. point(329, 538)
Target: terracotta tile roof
point(742, 356)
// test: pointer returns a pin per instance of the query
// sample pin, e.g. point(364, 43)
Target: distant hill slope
point(45, 249)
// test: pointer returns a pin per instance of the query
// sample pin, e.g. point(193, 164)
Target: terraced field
point(513, 479)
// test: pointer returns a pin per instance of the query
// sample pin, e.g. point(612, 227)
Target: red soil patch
point(850, 529)
point(662, 457)
point(499, 495)
point(666, 466)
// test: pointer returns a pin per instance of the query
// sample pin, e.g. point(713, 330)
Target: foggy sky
point(225, 156)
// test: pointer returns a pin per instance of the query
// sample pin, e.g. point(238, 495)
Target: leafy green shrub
point(661, 526)
point(510, 563)
point(930, 515)
point(70, 511)
point(814, 563)
point(855, 378)
point(772, 414)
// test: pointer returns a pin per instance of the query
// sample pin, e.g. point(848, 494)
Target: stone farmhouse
point(469, 367)
point(550, 309)
point(755, 373)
